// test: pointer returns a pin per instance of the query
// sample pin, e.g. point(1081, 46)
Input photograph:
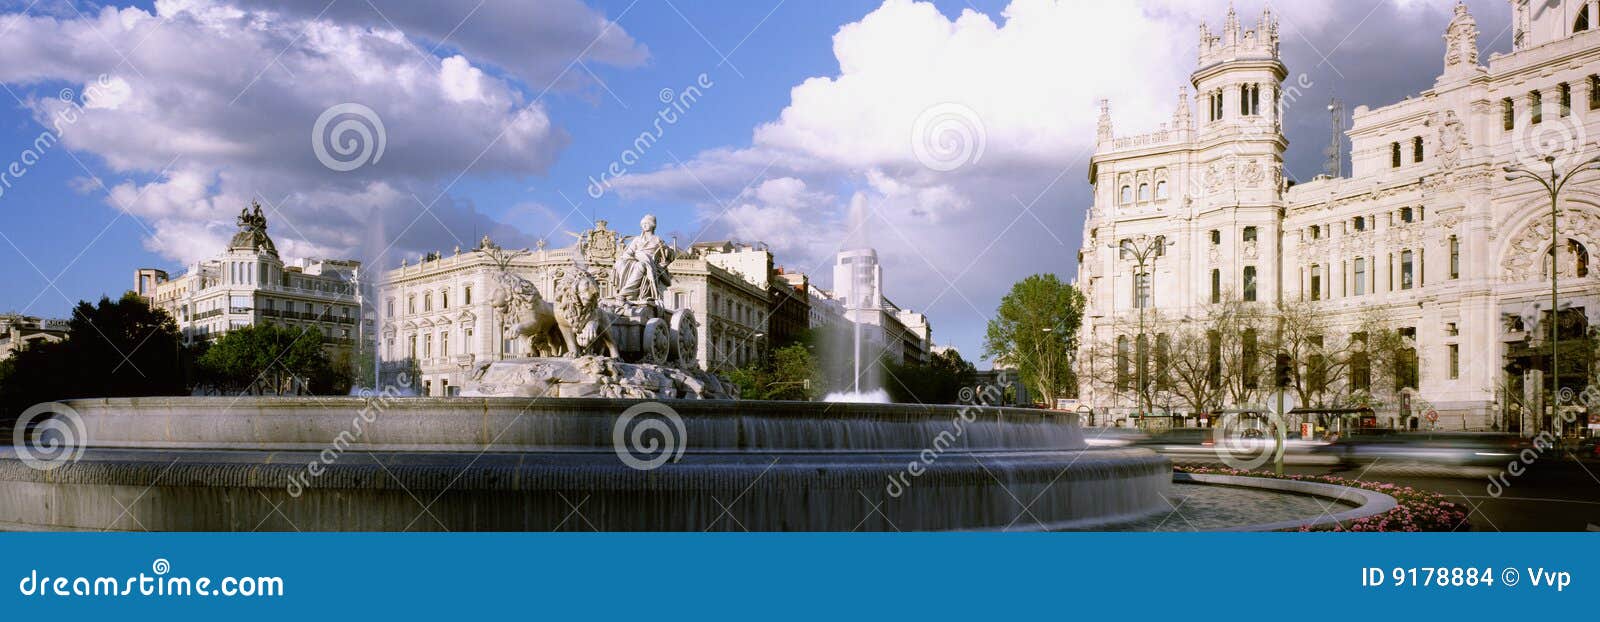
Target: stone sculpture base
point(594, 376)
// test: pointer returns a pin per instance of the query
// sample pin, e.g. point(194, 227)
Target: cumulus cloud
point(958, 145)
point(198, 107)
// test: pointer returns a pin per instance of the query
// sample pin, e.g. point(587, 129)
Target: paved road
point(1551, 495)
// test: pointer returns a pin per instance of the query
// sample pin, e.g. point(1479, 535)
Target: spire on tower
point(1461, 42)
point(1230, 28)
point(1103, 131)
point(1180, 117)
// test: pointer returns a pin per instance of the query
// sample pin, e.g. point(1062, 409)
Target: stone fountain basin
point(224, 463)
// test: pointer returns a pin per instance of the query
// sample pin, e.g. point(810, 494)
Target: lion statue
point(587, 325)
point(528, 315)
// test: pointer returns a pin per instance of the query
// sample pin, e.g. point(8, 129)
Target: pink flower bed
point(1415, 510)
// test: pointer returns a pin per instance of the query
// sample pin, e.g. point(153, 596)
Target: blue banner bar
point(796, 576)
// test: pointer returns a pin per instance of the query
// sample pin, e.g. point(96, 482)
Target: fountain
point(610, 427)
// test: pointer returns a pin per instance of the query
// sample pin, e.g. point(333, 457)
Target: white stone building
point(436, 318)
point(1426, 227)
point(249, 284)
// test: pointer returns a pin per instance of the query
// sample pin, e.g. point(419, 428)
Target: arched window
point(1416, 149)
point(1582, 23)
point(1316, 282)
point(427, 302)
point(1405, 269)
point(1161, 190)
point(1141, 290)
point(1394, 155)
point(1144, 192)
point(1126, 195)
point(411, 303)
point(1576, 263)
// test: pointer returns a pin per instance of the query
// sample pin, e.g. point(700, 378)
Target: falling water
point(875, 396)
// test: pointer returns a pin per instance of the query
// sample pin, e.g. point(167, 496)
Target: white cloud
point(1025, 90)
point(201, 106)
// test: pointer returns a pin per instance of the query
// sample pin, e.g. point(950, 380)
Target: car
point(1449, 448)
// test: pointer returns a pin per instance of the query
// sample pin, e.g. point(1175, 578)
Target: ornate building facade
point(1426, 229)
point(250, 284)
point(437, 319)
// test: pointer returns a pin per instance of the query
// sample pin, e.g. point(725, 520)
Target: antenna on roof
point(1335, 151)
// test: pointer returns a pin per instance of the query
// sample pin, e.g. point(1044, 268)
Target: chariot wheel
point(657, 342)
point(686, 341)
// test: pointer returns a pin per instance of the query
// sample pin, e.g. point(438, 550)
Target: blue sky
point(799, 142)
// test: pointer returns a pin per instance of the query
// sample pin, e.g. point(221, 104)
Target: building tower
point(1237, 158)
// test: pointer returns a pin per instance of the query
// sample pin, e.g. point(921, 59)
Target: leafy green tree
point(938, 381)
point(121, 348)
point(267, 359)
point(789, 373)
point(1035, 329)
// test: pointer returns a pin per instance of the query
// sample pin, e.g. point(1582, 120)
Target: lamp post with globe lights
point(1144, 251)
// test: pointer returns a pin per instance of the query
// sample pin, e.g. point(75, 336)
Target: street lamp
point(1553, 185)
point(1144, 251)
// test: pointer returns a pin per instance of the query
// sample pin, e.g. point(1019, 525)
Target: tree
point(266, 359)
point(1196, 374)
point(1036, 329)
point(1142, 367)
point(938, 381)
point(1243, 336)
point(1385, 359)
point(789, 373)
point(1319, 360)
point(121, 348)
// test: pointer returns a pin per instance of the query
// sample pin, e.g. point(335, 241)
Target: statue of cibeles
point(641, 269)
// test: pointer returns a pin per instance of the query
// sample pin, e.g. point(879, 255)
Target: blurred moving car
point(1448, 448)
point(1203, 442)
